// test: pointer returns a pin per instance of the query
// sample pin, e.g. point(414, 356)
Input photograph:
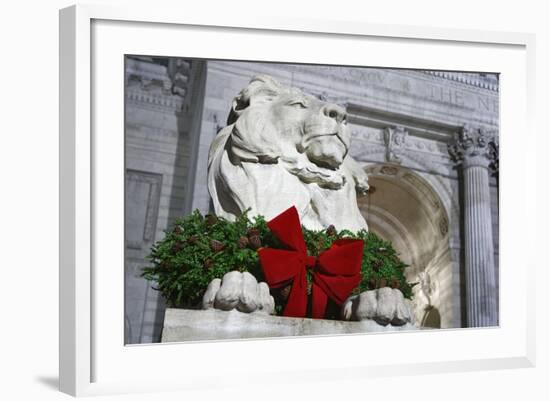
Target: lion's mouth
point(326, 166)
point(324, 135)
point(325, 152)
point(336, 134)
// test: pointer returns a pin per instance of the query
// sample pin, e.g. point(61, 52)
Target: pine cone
point(382, 283)
point(242, 242)
point(254, 241)
point(193, 240)
point(395, 284)
point(253, 232)
point(331, 230)
point(377, 265)
point(211, 219)
point(285, 292)
point(320, 244)
point(178, 230)
point(178, 246)
point(216, 245)
point(372, 283)
point(208, 264)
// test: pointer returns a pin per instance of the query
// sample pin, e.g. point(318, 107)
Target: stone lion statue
point(282, 147)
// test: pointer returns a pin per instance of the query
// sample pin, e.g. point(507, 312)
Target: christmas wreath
point(198, 249)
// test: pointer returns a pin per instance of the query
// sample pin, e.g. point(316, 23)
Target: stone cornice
point(489, 82)
point(365, 93)
point(156, 85)
point(147, 71)
point(414, 125)
point(155, 99)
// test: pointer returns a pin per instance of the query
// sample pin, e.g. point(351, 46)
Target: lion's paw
point(384, 306)
point(238, 291)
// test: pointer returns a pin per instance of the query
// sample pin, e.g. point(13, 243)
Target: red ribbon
point(336, 271)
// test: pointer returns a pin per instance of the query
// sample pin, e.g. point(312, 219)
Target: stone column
point(471, 150)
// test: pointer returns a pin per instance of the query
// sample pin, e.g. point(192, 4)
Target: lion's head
point(271, 124)
point(273, 121)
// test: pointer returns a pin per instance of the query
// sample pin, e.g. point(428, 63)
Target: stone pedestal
point(199, 325)
point(472, 151)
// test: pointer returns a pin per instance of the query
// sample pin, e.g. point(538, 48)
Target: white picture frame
point(93, 357)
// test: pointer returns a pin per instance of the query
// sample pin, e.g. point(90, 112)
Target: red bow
point(336, 271)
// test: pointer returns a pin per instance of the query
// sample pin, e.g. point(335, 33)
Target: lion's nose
point(334, 111)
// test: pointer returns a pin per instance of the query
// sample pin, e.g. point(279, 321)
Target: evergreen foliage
point(199, 248)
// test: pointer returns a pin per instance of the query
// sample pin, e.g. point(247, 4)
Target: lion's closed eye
point(298, 104)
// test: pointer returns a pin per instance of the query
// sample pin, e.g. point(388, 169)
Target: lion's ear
point(261, 89)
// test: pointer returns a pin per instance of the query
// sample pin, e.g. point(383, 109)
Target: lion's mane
point(280, 148)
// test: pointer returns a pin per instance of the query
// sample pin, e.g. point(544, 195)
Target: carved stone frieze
point(178, 70)
point(389, 170)
point(156, 84)
point(443, 226)
point(394, 140)
point(144, 73)
point(428, 286)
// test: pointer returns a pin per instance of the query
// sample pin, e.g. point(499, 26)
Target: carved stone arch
point(387, 226)
point(438, 184)
point(422, 167)
point(405, 208)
